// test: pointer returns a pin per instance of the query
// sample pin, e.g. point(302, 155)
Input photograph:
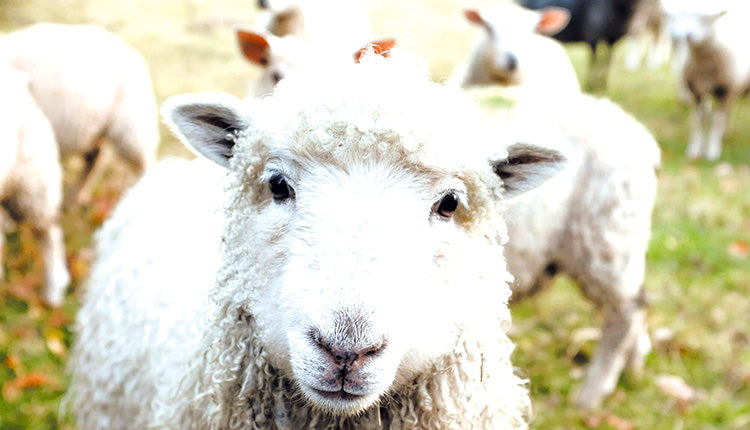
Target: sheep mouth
point(338, 395)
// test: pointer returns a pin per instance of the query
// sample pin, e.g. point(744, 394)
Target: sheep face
point(696, 28)
point(508, 31)
point(360, 254)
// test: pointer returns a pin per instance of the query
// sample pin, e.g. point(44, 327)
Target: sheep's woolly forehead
point(384, 110)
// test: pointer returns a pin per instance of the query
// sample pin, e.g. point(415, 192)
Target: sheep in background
point(593, 22)
point(31, 179)
point(278, 55)
point(514, 51)
point(336, 24)
point(714, 67)
point(592, 222)
point(275, 55)
point(91, 86)
point(354, 278)
point(647, 36)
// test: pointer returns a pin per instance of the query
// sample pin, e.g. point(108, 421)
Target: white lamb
point(593, 223)
point(30, 178)
point(515, 51)
point(352, 280)
point(91, 86)
point(336, 24)
point(715, 67)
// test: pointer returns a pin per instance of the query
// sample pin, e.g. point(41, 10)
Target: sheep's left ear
point(379, 47)
point(552, 20)
point(526, 167)
point(209, 124)
point(712, 18)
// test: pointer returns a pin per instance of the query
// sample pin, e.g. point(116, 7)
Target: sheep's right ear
point(255, 47)
point(527, 166)
point(209, 124)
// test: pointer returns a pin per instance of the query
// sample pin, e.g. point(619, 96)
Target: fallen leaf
point(101, 210)
point(12, 389)
point(24, 289)
point(33, 379)
point(13, 362)
point(675, 387)
point(612, 421)
point(54, 341)
point(79, 264)
point(618, 423)
point(738, 249)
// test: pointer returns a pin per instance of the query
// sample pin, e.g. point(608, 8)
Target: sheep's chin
point(339, 403)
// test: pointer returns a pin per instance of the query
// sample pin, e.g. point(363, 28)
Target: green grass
point(698, 279)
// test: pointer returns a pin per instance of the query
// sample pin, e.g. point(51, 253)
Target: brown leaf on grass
point(611, 420)
point(25, 288)
point(54, 340)
point(12, 389)
point(79, 264)
point(100, 210)
point(676, 388)
point(14, 363)
point(58, 319)
point(738, 249)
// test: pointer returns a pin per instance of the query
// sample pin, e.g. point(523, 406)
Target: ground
point(698, 275)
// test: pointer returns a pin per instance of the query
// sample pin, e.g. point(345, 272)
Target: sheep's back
point(78, 75)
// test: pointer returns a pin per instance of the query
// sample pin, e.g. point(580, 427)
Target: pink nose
point(350, 357)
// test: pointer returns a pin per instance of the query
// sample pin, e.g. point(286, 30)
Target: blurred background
point(698, 272)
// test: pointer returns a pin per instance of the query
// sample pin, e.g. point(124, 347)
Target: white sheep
point(91, 86)
point(30, 178)
point(278, 55)
point(336, 24)
point(647, 36)
point(592, 222)
point(354, 278)
point(714, 67)
point(515, 51)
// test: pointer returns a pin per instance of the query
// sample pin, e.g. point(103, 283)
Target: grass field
point(698, 275)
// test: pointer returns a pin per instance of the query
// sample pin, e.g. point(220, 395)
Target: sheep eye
point(447, 205)
point(279, 188)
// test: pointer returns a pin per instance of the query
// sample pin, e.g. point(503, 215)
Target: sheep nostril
point(346, 356)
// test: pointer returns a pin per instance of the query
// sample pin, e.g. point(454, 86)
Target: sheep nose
point(349, 357)
point(262, 4)
point(512, 62)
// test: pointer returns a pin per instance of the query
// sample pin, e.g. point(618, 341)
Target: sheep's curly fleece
point(189, 358)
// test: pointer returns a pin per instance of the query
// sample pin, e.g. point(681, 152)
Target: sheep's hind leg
point(57, 277)
point(621, 334)
point(82, 191)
